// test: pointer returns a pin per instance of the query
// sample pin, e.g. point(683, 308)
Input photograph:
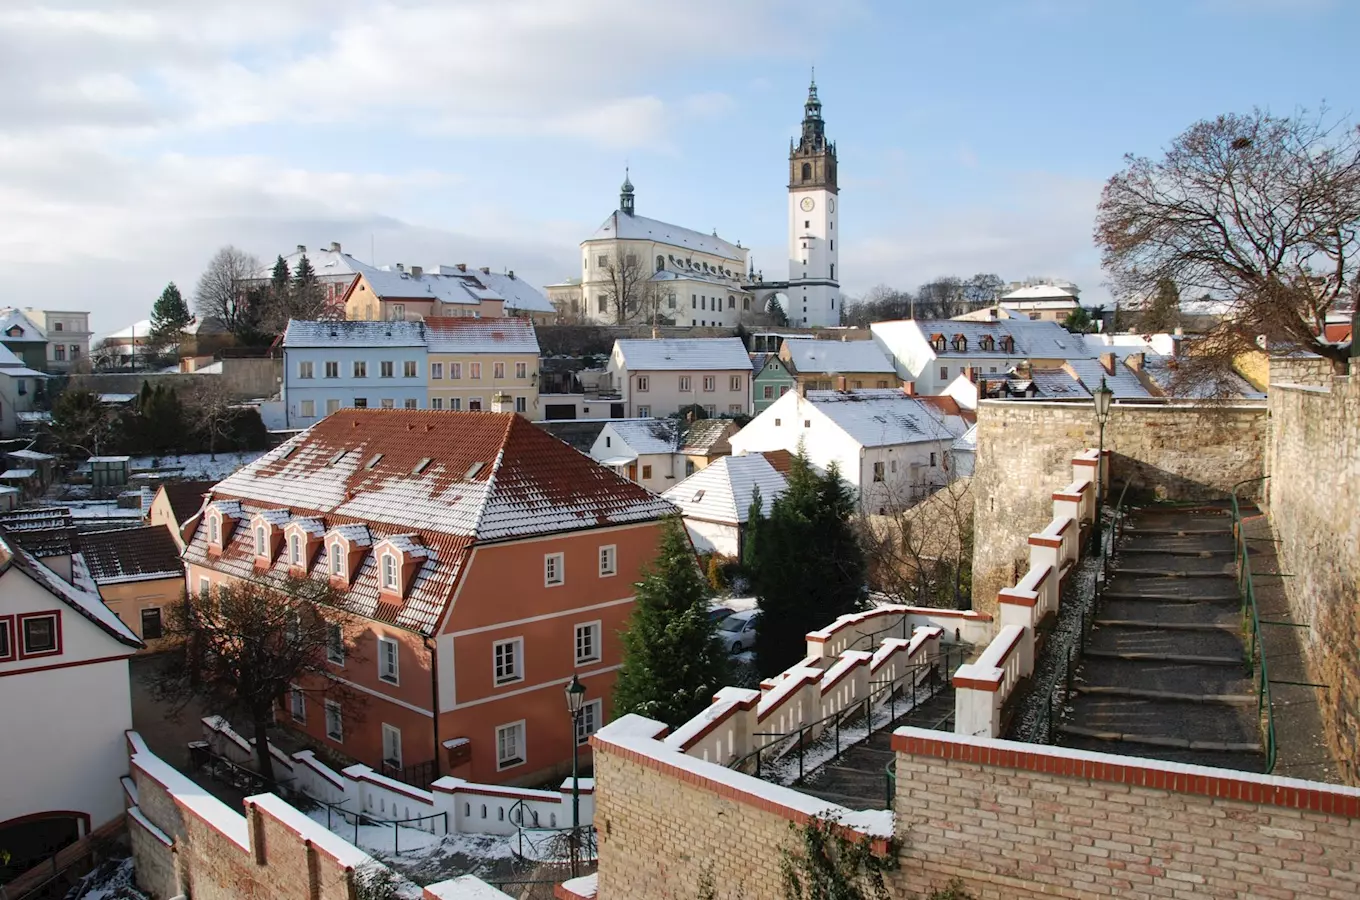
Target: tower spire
point(626, 203)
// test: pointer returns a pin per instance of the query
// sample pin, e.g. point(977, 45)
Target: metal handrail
point(1247, 589)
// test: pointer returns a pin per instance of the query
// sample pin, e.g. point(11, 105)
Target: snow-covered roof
point(464, 334)
point(21, 372)
point(518, 293)
point(328, 264)
point(1123, 381)
point(723, 490)
point(646, 436)
point(881, 418)
point(1065, 292)
point(444, 284)
point(967, 442)
point(30, 454)
point(452, 479)
point(81, 598)
point(683, 354)
point(301, 333)
point(1161, 369)
point(140, 329)
point(18, 473)
point(1033, 340)
point(621, 226)
point(721, 281)
point(8, 359)
point(30, 330)
point(131, 554)
point(838, 357)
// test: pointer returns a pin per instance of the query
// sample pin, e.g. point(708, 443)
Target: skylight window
point(376, 458)
point(698, 495)
point(422, 465)
point(473, 470)
point(336, 458)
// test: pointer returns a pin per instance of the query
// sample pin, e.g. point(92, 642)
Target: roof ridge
point(492, 482)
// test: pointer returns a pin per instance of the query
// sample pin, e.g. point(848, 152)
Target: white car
point(738, 631)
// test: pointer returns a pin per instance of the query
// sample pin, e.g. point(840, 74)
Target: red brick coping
point(1247, 787)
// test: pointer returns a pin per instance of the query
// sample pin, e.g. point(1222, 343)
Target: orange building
point(489, 561)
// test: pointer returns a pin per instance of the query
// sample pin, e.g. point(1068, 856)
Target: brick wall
point(1016, 821)
point(1178, 451)
point(1314, 499)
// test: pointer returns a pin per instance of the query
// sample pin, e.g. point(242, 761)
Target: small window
point(589, 721)
point(735, 409)
point(409, 403)
point(778, 423)
point(39, 634)
point(521, 404)
point(294, 549)
point(408, 369)
point(878, 471)
point(734, 383)
point(214, 529)
point(335, 643)
point(710, 383)
point(507, 661)
point(332, 406)
point(768, 392)
point(521, 370)
point(389, 663)
point(807, 423)
point(608, 560)
point(360, 369)
point(333, 369)
point(387, 403)
point(436, 403)
point(6, 638)
point(644, 412)
point(510, 745)
point(261, 541)
point(475, 371)
point(306, 370)
point(297, 704)
point(553, 570)
point(204, 585)
point(498, 370)
point(152, 627)
point(689, 467)
point(642, 382)
point(385, 369)
point(337, 559)
point(391, 746)
point(307, 409)
point(436, 371)
point(944, 373)
point(455, 371)
point(646, 472)
point(455, 403)
point(685, 383)
point(389, 571)
point(932, 460)
point(335, 725)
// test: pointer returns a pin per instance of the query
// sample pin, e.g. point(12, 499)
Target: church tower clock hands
point(814, 291)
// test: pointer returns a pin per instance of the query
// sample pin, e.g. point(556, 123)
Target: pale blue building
point(329, 366)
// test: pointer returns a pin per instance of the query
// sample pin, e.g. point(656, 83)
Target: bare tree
point(630, 294)
point(920, 552)
point(246, 645)
point(1257, 212)
point(212, 408)
point(222, 288)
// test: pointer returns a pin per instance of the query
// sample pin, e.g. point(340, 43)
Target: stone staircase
point(1163, 674)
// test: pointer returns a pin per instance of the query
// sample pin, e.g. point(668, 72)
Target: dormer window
point(294, 549)
point(1008, 344)
point(214, 529)
point(261, 541)
point(389, 571)
point(337, 560)
point(960, 343)
point(987, 343)
point(937, 341)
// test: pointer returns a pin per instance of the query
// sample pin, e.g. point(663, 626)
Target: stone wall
point(1314, 504)
point(1173, 451)
point(1017, 821)
point(247, 379)
point(1300, 368)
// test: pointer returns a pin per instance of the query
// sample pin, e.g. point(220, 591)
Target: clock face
point(831, 206)
point(807, 204)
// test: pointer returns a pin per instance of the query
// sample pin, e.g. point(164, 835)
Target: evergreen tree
point(1163, 313)
point(1080, 321)
point(169, 314)
point(672, 661)
point(279, 280)
point(805, 563)
point(305, 274)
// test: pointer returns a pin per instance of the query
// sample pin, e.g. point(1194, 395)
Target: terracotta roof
point(782, 460)
point(451, 479)
point(131, 554)
point(185, 497)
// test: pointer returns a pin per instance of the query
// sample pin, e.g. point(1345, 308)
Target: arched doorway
point(31, 839)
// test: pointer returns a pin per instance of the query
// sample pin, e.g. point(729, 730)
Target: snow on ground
point(112, 880)
point(196, 466)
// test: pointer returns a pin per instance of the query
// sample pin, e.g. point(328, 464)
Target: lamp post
point(576, 695)
point(1103, 397)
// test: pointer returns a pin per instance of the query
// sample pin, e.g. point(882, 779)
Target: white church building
point(636, 270)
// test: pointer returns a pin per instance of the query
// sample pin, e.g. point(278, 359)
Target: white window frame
point(521, 370)
point(734, 383)
point(335, 712)
point(306, 369)
point(261, 541)
point(436, 371)
point(295, 549)
point(204, 584)
point(297, 704)
point(503, 761)
point(455, 371)
point(408, 369)
point(643, 382)
point(609, 560)
point(710, 383)
point(332, 407)
point(390, 579)
point(335, 652)
point(686, 384)
point(644, 412)
point(595, 635)
point(307, 409)
point(456, 404)
point(515, 674)
point(395, 677)
point(554, 570)
point(387, 368)
point(214, 528)
point(392, 734)
point(521, 404)
point(436, 403)
point(498, 370)
point(590, 720)
point(332, 368)
point(475, 371)
point(360, 368)
point(335, 558)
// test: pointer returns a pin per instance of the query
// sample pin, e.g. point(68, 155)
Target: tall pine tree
point(280, 277)
point(805, 563)
point(169, 315)
point(672, 661)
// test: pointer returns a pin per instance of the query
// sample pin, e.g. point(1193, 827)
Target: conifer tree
point(805, 563)
point(672, 661)
point(280, 278)
point(169, 314)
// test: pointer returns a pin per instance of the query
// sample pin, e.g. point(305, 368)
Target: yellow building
point(483, 364)
point(139, 576)
point(407, 295)
point(839, 365)
point(177, 502)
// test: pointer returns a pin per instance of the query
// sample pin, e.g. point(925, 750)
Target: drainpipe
point(434, 694)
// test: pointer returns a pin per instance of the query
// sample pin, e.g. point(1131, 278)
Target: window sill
point(338, 738)
point(504, 682)
point(502, 765)
point(587, 662)
point(391, 681)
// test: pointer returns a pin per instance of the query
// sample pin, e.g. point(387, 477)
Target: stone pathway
point(1163, 674)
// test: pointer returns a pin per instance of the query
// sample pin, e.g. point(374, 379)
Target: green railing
point(1257, 667)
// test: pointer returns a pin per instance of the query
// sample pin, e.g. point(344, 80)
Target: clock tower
point(814, 292)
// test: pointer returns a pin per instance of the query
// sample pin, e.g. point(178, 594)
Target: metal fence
point(359, 819)
point(1257, 666)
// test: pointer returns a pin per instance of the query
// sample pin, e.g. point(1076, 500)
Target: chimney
point(415, 271)
point(511, 274)
point(1176, 337)
point(401, 268)
point(841, 383)
point(802, 388)
point(1107, 363)
point(462, 267)
point(502, 403)
point(486, 270)
point(909, 388)
point(302, 248)
point(1135, 361)
point(335, 246)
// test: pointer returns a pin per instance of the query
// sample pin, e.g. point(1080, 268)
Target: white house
point(328, 366)
point(659, 377)
point(66, 702)
point(1049, 301)
point(20, 390)
point(68, 336)
point(716, 502)
point(892, 447)
point(932, 353)
point(658, 453)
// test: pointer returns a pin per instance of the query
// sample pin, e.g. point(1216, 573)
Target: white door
point(391, 746)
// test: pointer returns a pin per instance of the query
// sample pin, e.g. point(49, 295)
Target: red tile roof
point(450, 478)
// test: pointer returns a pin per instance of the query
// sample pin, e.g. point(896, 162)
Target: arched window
point(295, 549)
point(337, 558)
point(660, 263)
point(389, 572)
point(261, 541)
point(214, 529)
point(807, 171)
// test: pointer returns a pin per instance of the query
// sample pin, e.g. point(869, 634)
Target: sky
point(139, 136)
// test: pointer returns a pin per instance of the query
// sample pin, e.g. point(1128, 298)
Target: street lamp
point(576, 695)
point(1103, 397)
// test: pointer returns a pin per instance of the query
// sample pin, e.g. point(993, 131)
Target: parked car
point(738, 631)
point(718, 612)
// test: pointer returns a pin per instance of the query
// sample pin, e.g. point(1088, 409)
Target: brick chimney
point(841, 383)
point(510, 273)
point(462, 267)
point(302, 248)
point(909, 388)
point(486, 270)
point(502, 402)
point(1107, 363)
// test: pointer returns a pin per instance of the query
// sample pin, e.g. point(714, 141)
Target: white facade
point(66, 707)
point(659, 377)
point(889, 446)
point(68, 336)
point(932, 353)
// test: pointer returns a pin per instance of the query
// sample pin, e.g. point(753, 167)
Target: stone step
point(1242, 762)
point(1159, 613)
point(1163, 740)
point(1183, 564)
point(1170, 643)
point(1118, 691)
point(1162, 676)
point(1168, 722)
point(1220, 586)
point(1190, 658)
point(1179, 549)
point(1171, 596)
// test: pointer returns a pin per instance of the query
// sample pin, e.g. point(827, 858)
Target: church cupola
point(812, 117)
point(626, 195)
point(812, 158)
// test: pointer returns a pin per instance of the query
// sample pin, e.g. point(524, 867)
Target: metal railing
point(366, 820)
point(920, 686)
point(1256, 664)
point(419, 775)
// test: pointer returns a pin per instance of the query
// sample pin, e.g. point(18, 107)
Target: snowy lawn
point(195, 466)
point(111, 880)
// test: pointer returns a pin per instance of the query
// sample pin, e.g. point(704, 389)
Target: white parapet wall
point(982, 688)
